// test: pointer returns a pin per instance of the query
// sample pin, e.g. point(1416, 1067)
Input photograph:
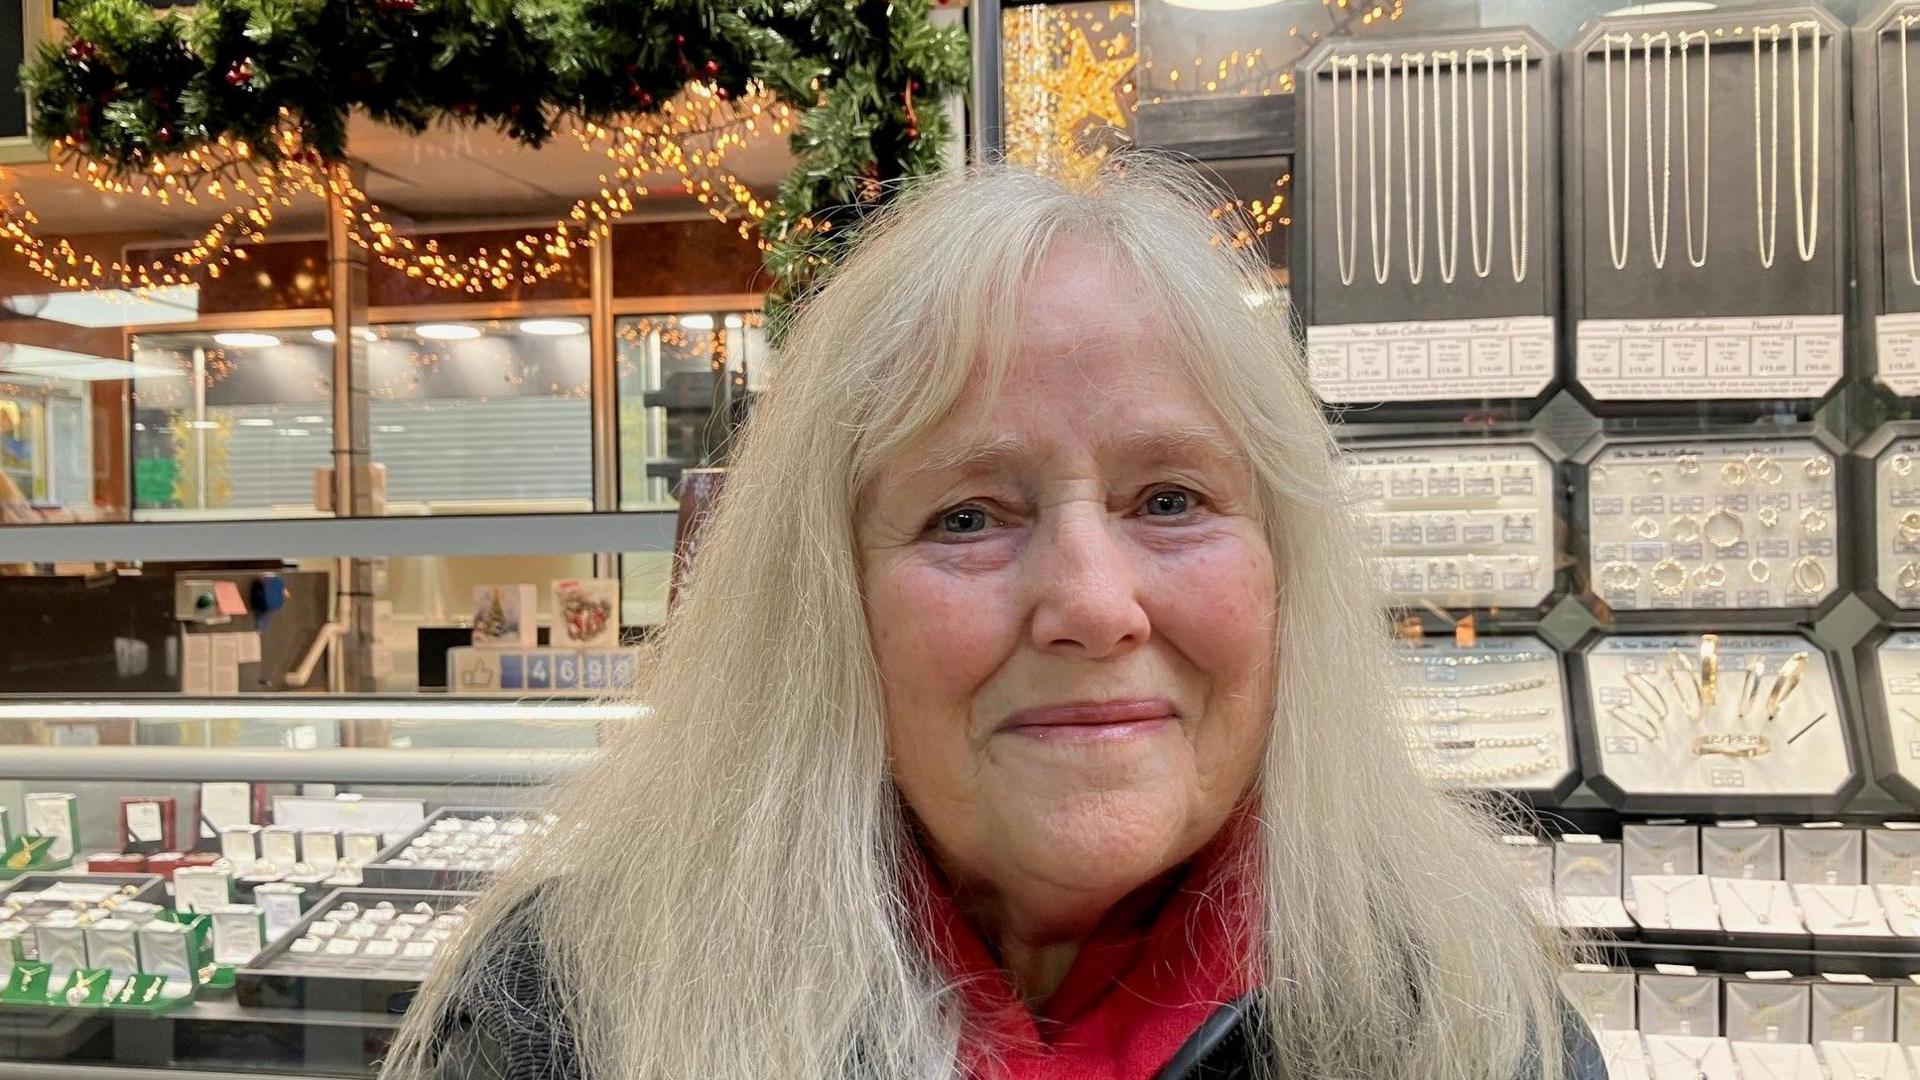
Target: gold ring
point(1909, 526)
point(1769, 516)
point(1628, 717)
point(1759, 570)
point(1722, 529)
point(1684, 529)
point(1786, 683)
point(1814, 521)
point(1669, 578)
point(1818, 466)
point(1733, 474)
point(1809, 576)
point(1709, 668)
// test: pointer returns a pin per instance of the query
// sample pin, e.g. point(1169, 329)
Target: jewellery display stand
point(1461, 525)
point(1661, 849)
point(1902, 906)
point(1866, 1061)
point(1625, 1055)
point(1757, 907)
point(357, 979)
point(1586, 885)
point(1745, 852)
point(413, 863)
point(1492, 717)
point(1406, 144)
point(1853, 1012)
point(1604, 998)
point(1739, 117)
point(1886, 115)
point(1885, 536)
point(1823, 856)
point(1683, 1057)
point(1712, 723)
point(1771, 1011)
point(1893, 857)
point(1675, 903)
point(1788, 1061)
point(1747, 526)
point(1684, 1005)
point(1533, 868)
point(1889, 667)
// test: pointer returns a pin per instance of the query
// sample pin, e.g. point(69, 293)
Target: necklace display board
point(1461, 524)
point(1886, 106)
point(1750, 527)
point(1407, 145)
point(1886, 527)
point(1714, 723)
point(1738, 117)
point(1889, 666)
point(1490, 717)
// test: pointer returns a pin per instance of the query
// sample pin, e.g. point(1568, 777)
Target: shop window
point(684, 383)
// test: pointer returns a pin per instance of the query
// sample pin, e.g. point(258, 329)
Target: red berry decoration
point(396, 5)
point(165, 134)
point(81, 51)
point(679, 39)
point(240, 74)
point(713, 67)
point(721, 93)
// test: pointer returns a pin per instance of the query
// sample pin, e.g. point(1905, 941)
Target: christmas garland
point(128, 87)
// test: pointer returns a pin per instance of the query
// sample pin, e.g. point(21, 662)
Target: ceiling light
point(446, 331)
point(309, 419)
point(254, 421)
point(245, 339)
point(735, 322)
point(552, 327)
point(324, 335)
point(696, 322)
point(1663, 7)
point(110, 307)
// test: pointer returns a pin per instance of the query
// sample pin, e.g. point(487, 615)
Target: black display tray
point(381, 874)
point(278, 978)
point(152, 889)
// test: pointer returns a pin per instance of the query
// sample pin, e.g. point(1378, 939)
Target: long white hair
point(723, 899)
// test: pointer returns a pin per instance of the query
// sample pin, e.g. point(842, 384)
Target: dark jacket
point(516, 1034)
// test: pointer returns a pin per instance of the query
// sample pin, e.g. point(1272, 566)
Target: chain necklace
point(1697, 1063)
point(1764, 918)
point(1886, 1065)
point(1906, 148)
point(1799, 1065)
point(1346, 213)
point(1806, 214)
point(1449, 258)
point(1657, 240)
point(1666, 901)
point(1516, 238)
point(1416, 155)
point(1766, 208)
point(1380, 213)
point(1850, 918)
point(1706, 144)
point(1482, 262)
point(1619, 226)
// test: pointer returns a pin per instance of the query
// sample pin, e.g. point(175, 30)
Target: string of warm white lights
point(689, 138)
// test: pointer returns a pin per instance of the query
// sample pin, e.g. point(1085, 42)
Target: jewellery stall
point(1725, 616)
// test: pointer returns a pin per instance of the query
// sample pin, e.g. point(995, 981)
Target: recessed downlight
point(552, 327)
point(245, 339)
point(696, 322)
point(324, 335)
point(446, 331)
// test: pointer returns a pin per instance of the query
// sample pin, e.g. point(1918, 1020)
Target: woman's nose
point(1087, 602)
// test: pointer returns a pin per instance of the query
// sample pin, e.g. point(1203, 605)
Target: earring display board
point(1890, 690)
point(1460, 525)
point(1493, 716)
point(1713, 722)
point(1407, 146)
point(1749, 524)
point(1886, 86)
point(1729, 126)
point(1896, 517)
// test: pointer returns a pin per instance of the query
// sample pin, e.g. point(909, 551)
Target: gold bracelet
point(1785, 683)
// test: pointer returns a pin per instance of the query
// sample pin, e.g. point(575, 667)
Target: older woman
point(1026, 716)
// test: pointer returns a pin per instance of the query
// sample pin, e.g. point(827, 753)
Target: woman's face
point(1072, 608)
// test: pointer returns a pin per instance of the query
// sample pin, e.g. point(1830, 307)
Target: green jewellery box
point(31, 853)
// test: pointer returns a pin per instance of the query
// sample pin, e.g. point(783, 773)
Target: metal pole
point(603, 391)
point(988, 135)
point(352, 490)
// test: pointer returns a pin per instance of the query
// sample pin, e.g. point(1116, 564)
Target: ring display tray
point(282, 978)
point(1886, 110)
point(451, 875)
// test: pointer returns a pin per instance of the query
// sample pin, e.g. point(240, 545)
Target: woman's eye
point(1168, 502)
point(965, 519)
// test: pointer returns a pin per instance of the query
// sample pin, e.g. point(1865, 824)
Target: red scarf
point(1131, 999)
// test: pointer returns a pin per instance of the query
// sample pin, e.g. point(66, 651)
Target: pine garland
point(131, 86)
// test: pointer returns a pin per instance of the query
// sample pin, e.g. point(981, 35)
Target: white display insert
point(1459, 525)
point(1492, 716)
point(1707, 525)
point(1665, 726)
point(1717, 359)
point(1679, 1057)
point(1444, 360)
point(1897, 344)
point(1898, 658)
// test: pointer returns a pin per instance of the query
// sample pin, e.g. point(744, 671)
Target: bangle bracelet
point(1709, 668)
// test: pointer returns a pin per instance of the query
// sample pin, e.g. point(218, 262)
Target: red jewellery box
point(146, 824)
point(165, 863)
point(117, 864)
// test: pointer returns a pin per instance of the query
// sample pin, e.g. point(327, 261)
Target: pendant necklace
point(1379, 212)
point(1766, 207)
point(1619, 225)
point(1447, 257)
point(1414, 194)
point(1699, 259)
point(1764, 918)
point(1886, 1066)
point(1346, 213)
point(1696, 1063)
point(1657, 239)
point(1516, 238)
point(1482, 261)
point(1806, 214)
point(1850, 918)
